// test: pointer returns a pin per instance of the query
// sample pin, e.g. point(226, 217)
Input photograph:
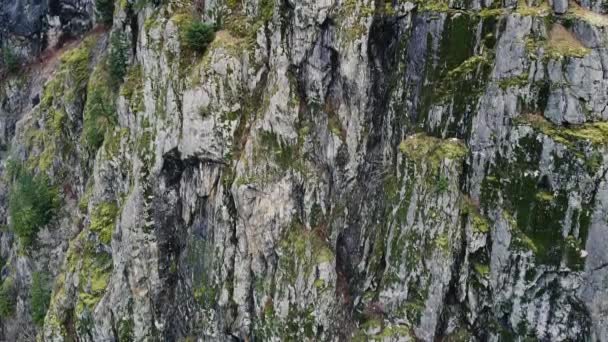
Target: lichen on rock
point(306, 170)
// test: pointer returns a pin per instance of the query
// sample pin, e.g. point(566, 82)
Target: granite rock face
point(27, 27)
point(325, 170)
point(560, 6)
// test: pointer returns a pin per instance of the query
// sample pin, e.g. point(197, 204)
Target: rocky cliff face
point(327, 170)
point(30, 26)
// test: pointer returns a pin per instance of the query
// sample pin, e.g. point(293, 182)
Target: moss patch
point(534, 209)
point(541, 10)
point(75, 62)
point(302, 250)
point(422, 148)
point(482, 270)
point(94, 276)
point(8, 298)
point(40, 296)
point(99, 112)
point(514, 82)
point(480, 223)
point(595, 133)
point(132, 89)
point(575, 11)
point(52, 138)
point(103, 221)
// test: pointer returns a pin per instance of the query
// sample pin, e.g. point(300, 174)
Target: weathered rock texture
point(327, 170)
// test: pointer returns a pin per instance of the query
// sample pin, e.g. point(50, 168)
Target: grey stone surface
point(325, 171)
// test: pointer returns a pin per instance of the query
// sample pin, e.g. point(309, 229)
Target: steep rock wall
point(326, 170)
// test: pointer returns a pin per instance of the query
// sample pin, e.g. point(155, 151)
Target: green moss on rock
point(479, 223)
point(514, 82)
point(433, 5)
point(51, 139)
point(534, 209)
point(103, 221)
point(541, 10)
point(482, 269)
point(302, 250)
point(8, 298)
point(595, 133)
point(132, 89)
point(95, 271)
point(100, 109)
point(40, 296)
point(75, 62)
point(422, 148)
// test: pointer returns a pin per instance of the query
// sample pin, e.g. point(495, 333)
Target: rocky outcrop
point(324, 170)
point(560, 6)
point(27, 27)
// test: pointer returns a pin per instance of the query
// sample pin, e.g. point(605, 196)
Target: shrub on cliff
point(99, 114)
point(8, 298)
point(99, 117)
point(10, 60)
point(40, 296)
point(104, 9)
point(32, 204)
point(198, 35)
point(118, 58)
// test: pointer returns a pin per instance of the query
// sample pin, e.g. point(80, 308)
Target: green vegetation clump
point(537, 11)
point(76, 63)
point(206, 295)
point(443, 184)
point(113, 142)
point(51, 138)
point(514, 82)
point(284, 154)
point(8, 298)
point(482, 269)
point(535, 210)
point(232, 4)
point(70, 82)
point(467, 67)
point(464, 74)
point(10, 60)
point(443, 243)
point(99, 111)
point(433, 5)
point(266, 9)
point(104, 9)
point(32, 204)
point(198, 35)
point(40, 297)
point(544, 196)
point(303, 250)
point(95, 272)
point(103, 220)
point(593, 18)
point(374, 329)
point(125, 330)
point(335, 125)
point(492, 12)
point(93, 265)
point(595, 133)
point(424, 148)
point(480, 223)
point(118, 58)
point(132, 89)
